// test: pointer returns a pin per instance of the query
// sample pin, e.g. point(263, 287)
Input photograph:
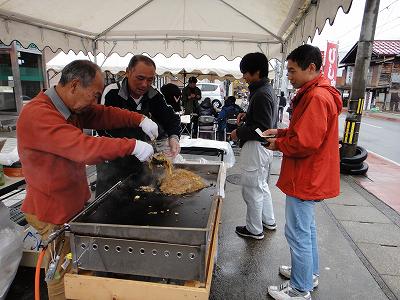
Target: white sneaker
point(286, 292)
point(286, 271)
point(269, 227)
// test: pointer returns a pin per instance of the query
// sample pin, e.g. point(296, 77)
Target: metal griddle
point(118, 233)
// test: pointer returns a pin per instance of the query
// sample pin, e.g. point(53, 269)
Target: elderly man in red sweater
point(54, 152)
point(310, 167)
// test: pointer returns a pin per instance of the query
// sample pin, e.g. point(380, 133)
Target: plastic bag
point(9, 152)
point(10, 250)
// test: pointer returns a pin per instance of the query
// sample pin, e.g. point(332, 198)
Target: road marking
point(385, 158)
point(371, 125)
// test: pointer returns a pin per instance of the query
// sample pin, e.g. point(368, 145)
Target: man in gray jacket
point(255, 158)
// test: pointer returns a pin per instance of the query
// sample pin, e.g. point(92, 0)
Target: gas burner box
point(127, 231)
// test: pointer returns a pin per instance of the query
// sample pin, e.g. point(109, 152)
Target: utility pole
point(359, 82)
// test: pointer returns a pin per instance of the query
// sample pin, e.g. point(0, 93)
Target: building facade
point(21, 76)
point(383, 80)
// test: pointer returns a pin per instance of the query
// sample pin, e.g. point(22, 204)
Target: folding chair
point(207, 124)
point(186, 125)
point(230, 126)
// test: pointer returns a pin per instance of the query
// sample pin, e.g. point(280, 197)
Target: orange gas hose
point(37, 274)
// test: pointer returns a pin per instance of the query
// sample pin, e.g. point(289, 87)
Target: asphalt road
point(379, 136)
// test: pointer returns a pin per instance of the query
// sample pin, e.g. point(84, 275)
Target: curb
point(376, 116)
point(381, 180)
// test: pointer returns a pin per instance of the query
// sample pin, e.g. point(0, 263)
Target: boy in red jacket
point(310, 167)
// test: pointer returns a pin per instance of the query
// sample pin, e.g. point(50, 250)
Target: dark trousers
point(195, 121)
point(280, 113)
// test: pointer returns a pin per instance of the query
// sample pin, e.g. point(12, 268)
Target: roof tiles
point(386, 47)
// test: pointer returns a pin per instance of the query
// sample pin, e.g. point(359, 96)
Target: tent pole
point(282, 67)
point(95, 52)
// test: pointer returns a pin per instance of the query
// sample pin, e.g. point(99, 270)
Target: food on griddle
point(161, 159)
point(181, 182)
point(146, 188)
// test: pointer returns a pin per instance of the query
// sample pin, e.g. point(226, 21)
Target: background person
point(191, 95)
point(54, 151)
point(310, 167)
point(230, 110)
point(206, 108)
point(135, 93)
point(172, 94)
point(255, 158)
point(282, 105)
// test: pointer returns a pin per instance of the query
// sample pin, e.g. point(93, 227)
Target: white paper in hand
point(260, 133)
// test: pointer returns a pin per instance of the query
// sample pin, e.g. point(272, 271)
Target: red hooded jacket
point(310, 147)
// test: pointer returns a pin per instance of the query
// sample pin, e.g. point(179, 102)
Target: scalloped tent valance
point(175, 64)
point(230, 28)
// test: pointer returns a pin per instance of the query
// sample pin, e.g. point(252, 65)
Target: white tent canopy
point(230, 28)
point(174, 64)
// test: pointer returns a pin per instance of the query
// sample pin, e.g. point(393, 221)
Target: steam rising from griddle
point(176, 181)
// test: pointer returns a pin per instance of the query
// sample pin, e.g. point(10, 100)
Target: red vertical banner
point(323, 60)
point(331, 62)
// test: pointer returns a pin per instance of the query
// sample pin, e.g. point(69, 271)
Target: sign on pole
point(331, 62)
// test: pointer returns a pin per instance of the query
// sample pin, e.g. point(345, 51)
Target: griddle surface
point(151, 209)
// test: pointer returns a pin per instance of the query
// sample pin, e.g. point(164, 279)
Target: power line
point(388, 5)
point(388, 22)
point(359, 24)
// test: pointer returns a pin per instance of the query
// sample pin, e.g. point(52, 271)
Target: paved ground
point(358, 236)
point(383, 115)
point(392, 116)
point(377, 135)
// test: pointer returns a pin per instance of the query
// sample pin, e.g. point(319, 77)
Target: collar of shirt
point(123, 91)
point(255, 85)
point(58, 103)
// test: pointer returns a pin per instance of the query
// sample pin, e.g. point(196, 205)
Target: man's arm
point(307, 135)
point(108, 117)
point(263, 112)
point(184, 95)
point(47, 131)
point(165, 115)
point(198, 94)
point(282, 132)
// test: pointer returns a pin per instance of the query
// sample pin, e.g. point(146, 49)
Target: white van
point(213, 91)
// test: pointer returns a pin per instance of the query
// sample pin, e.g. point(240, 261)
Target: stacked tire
point(355, 165)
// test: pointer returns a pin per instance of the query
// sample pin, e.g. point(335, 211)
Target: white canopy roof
point(230, 28)
point(174, 64)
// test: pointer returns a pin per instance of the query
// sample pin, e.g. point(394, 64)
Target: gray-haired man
point(54, 152)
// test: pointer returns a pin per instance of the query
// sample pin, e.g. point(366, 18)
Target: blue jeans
point(301, 235)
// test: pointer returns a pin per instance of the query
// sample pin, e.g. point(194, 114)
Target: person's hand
point(271, 145)
point(143, 151)
point(240, 118)
point(174, 146)
point(234, 136)
point(149, 127)
point(192, 96)
point(270, 132)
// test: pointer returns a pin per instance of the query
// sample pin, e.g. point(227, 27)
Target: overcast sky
point(346, 28)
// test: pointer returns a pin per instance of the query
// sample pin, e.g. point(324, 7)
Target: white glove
point(143, 150)
point(150, 128)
